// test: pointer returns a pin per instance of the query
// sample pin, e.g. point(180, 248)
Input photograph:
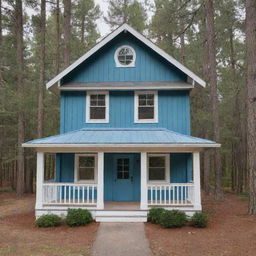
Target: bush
point(199, 220)
point(48, 220)
point(78, 217)
point(173, 219)
point(154, 215)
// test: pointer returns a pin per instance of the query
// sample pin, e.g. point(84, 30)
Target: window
point(86, 168)
point(159, 168)
point(125, 56)
point(146, 107)
point(97, 107)
point(123, 168)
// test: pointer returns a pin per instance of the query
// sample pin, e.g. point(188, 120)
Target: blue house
point(124, 144)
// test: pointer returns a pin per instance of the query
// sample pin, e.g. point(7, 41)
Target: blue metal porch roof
point(121, 136)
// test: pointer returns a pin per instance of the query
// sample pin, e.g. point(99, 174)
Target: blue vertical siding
point(65, 167)
point(181, 167)
point(101, 67)
point(173, 111)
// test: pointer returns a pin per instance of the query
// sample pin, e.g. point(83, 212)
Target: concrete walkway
point(121, 239)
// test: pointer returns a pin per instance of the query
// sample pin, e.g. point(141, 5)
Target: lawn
point(19, 236)
point(231, 232)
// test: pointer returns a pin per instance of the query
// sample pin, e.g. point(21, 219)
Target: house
point(124, 144)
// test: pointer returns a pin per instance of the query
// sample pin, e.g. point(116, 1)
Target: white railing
point(173, 194)
point(69, 194)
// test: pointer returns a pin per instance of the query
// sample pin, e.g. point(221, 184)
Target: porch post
point(196, 179)
point(100, 188)
point(143, 181)
point(39, 179)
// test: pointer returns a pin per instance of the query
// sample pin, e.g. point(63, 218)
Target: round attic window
point(125, 56)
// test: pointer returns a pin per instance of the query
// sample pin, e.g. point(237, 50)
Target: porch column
point(143, 181)
point(196, 179)
point(39, 179)
point(100, 188)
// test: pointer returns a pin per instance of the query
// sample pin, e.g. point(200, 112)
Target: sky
point(104, 29)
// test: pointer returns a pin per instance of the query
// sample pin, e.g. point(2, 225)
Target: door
point(123, 177)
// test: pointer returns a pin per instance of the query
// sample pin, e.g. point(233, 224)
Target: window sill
point(146, 121)
point(97, 121)
point(157, 182)
point(82, 182)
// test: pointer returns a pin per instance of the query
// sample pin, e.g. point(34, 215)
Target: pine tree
point(131, 12)
point(19, 84)
point(251, 100)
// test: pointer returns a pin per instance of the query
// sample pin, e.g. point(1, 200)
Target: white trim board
point(140, 37)
point(62, 145)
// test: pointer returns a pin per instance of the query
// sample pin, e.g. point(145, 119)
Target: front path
point(126, 239)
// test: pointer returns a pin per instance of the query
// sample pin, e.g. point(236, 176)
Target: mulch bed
point(19, 236)
point(231, 232)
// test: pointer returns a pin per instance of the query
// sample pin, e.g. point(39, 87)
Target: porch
point(57, 197)
point(123, 172)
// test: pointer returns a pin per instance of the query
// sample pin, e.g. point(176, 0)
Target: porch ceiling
point(122, 138)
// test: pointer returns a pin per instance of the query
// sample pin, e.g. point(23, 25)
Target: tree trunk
point(213, 91)
point(58, 36)
point(1, 44)
point(40, 114)
point(206, 184)
point(251, 100)
point(20, 69)
point(67, 31)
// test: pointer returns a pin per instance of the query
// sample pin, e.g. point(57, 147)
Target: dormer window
point(97, 107)
point(125, 56)
point(146, 107)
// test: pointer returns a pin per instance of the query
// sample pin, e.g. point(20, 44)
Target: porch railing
point(171, 194)
point(69, 194)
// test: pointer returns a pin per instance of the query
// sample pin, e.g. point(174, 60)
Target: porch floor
point(121, 206)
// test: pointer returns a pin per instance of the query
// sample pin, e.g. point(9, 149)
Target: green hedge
point(154, 215)
point(48, 220)
point(173, 219)
point(78, 217)
point(199, 220)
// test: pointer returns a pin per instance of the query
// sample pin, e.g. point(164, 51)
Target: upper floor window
point(97, 107)
point(146, 107)
point(125, 56)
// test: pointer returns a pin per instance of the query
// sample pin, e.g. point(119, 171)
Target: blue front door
point(123, 178)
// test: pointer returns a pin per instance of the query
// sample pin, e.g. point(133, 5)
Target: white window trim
point(95, 180)
point(167, 169)
point(118, 64)
point(88, 95)
point(136, 107)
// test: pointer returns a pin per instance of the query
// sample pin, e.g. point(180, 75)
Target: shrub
point(154, 215)
point(48, 220)
point(173, 219)
point(78, 217)
point(199, 220)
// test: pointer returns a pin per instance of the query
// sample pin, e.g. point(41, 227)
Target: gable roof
point(104, 41)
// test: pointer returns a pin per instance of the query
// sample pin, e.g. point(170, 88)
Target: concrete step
point(121, 219)
point(121, 216)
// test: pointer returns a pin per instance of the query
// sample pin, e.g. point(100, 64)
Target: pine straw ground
point(231, 232)
point(19, 236)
